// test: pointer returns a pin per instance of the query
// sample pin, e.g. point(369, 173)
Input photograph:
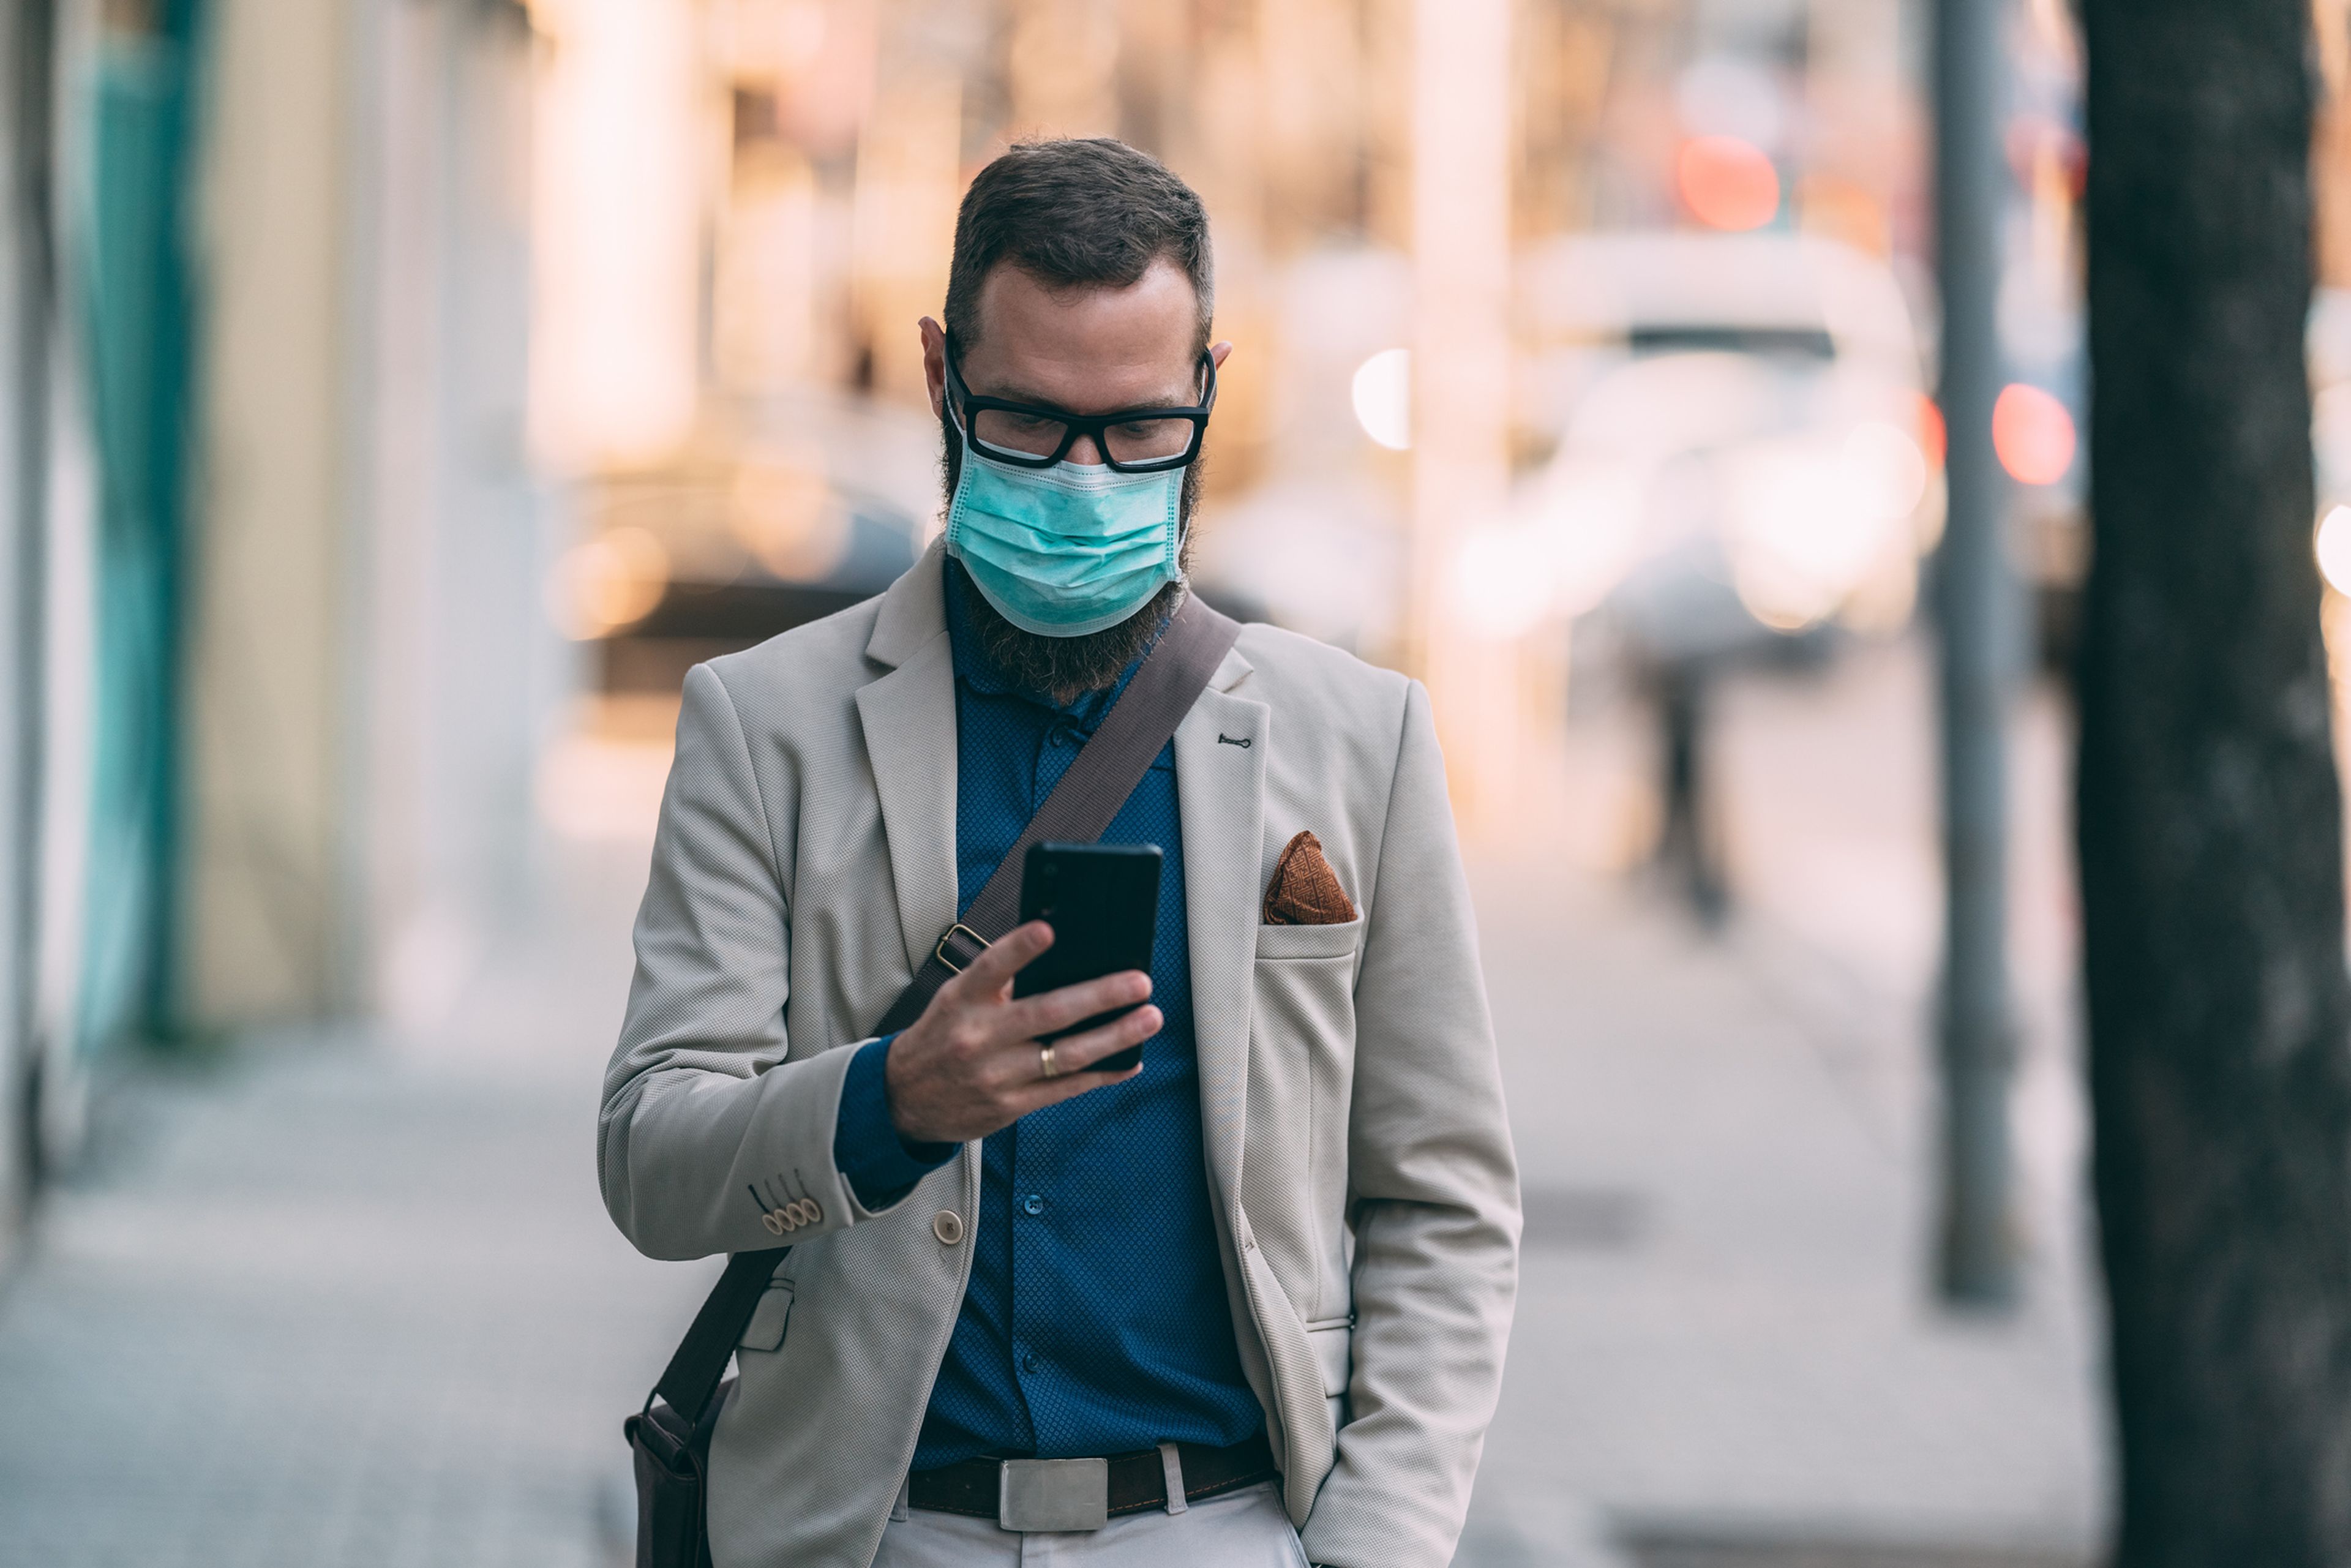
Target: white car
point(1745, 449)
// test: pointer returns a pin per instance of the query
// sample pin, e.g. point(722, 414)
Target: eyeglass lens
point(1037, 436)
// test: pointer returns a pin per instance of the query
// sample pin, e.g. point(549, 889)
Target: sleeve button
point(947, 1226)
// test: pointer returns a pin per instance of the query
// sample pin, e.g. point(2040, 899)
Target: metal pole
point(1975, 597)
point(1461, 378)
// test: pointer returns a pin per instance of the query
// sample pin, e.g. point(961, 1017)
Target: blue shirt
point(1096, 1320)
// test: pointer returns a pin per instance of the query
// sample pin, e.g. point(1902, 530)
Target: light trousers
point(1244, 1529)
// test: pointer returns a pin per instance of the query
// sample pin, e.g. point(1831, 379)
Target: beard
point(1066, 668)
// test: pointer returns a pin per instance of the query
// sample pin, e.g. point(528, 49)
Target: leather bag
point(670, 1438)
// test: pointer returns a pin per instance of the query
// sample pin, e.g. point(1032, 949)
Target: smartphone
point(1103, 902)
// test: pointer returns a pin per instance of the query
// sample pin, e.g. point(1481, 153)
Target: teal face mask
point(1065, 551)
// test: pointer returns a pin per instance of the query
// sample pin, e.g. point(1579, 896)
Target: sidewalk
point(1725, 1342)
point(347, 1302)
point(1723, 1333)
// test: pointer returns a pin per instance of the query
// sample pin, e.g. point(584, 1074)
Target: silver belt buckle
point(1052, 1494)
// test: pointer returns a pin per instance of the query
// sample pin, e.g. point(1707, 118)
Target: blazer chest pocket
point(769, 1319)
point(1290, 943)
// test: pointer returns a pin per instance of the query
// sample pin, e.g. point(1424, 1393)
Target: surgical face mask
point(1065, 551)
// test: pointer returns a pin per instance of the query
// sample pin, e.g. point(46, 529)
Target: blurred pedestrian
point(1251, 1292)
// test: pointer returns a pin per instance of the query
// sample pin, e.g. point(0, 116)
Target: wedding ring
point(1045, 1062)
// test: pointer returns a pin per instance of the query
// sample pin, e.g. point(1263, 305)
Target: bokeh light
point(2032, 435)
point(1726, 184)
point(1884, 470)
point(604, 583)
point(2334, 546)
point(782, 511)
point(1934, 439)
point(1382, 398)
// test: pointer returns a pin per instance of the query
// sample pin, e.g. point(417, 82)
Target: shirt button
point(1032, 1203)
point(1028, 1362)
point(947, 1226)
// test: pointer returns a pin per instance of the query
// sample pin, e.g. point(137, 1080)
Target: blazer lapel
point(909, 719)
point(1220, 749)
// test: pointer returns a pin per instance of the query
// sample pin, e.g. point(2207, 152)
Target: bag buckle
point(940, 951)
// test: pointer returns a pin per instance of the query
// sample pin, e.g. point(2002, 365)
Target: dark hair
point(1076, 214)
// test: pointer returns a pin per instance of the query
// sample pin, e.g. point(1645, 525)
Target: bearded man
point(1248, 1293)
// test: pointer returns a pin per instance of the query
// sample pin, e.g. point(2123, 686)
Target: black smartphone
point(1103, 902)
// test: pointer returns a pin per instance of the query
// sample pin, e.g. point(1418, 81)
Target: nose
point(1086, 452)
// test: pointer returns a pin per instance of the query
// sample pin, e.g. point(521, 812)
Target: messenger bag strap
point(700, 1360)
point(1102, 774)
point(1105, 771)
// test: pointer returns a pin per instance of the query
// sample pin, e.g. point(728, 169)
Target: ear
point(1218, 353)
point(935, 364)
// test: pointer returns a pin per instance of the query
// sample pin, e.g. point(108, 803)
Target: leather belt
point(1137, 1481)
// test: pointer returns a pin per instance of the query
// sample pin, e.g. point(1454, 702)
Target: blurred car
point(824, 507)
point(1743, 450)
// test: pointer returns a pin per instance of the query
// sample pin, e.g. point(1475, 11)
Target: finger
point(1032, 1017)
point(1047, 1092)
point(1003, 958)
point(1014, 1064)
point(1080, 1050)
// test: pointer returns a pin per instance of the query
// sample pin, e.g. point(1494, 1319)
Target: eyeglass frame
point(1077, 424)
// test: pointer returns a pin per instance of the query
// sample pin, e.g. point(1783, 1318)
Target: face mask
point(1065, 551)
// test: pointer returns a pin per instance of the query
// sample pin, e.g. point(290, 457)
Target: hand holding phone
point(1103, 902)
point(1078, 978)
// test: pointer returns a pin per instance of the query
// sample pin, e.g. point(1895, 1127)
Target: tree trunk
point(2209, 820)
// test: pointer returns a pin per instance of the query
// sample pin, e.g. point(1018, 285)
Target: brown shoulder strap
point(1103, 774)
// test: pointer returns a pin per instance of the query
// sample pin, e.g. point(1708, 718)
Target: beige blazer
point(1352, 1115)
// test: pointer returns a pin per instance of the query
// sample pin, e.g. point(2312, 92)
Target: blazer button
point(947, 1226)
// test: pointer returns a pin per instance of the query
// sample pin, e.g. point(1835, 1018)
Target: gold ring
point(1045, 1062)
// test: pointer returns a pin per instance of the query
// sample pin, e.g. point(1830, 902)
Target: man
point(1270, 1271)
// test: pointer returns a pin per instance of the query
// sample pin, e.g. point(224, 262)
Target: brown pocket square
point(1305, 891)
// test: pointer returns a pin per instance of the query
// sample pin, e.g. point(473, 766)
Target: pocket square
point(1305, 891)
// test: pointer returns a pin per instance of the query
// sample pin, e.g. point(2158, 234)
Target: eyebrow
point(1017, 394)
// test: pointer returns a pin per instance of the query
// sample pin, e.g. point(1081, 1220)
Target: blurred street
point(352, 1300)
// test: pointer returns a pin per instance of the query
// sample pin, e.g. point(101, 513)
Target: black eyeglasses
point(1132, 441)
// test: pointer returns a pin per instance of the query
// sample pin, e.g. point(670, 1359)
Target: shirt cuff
point(880, 1167)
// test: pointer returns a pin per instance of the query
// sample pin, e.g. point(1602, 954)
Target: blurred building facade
point(97, 345)
point(364, 664)
point(277, 661)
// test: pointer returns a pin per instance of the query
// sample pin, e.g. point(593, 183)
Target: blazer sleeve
point(1434, 1190)
point(705, 1128)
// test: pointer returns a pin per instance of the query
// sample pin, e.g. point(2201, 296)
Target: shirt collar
point(972, 670)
